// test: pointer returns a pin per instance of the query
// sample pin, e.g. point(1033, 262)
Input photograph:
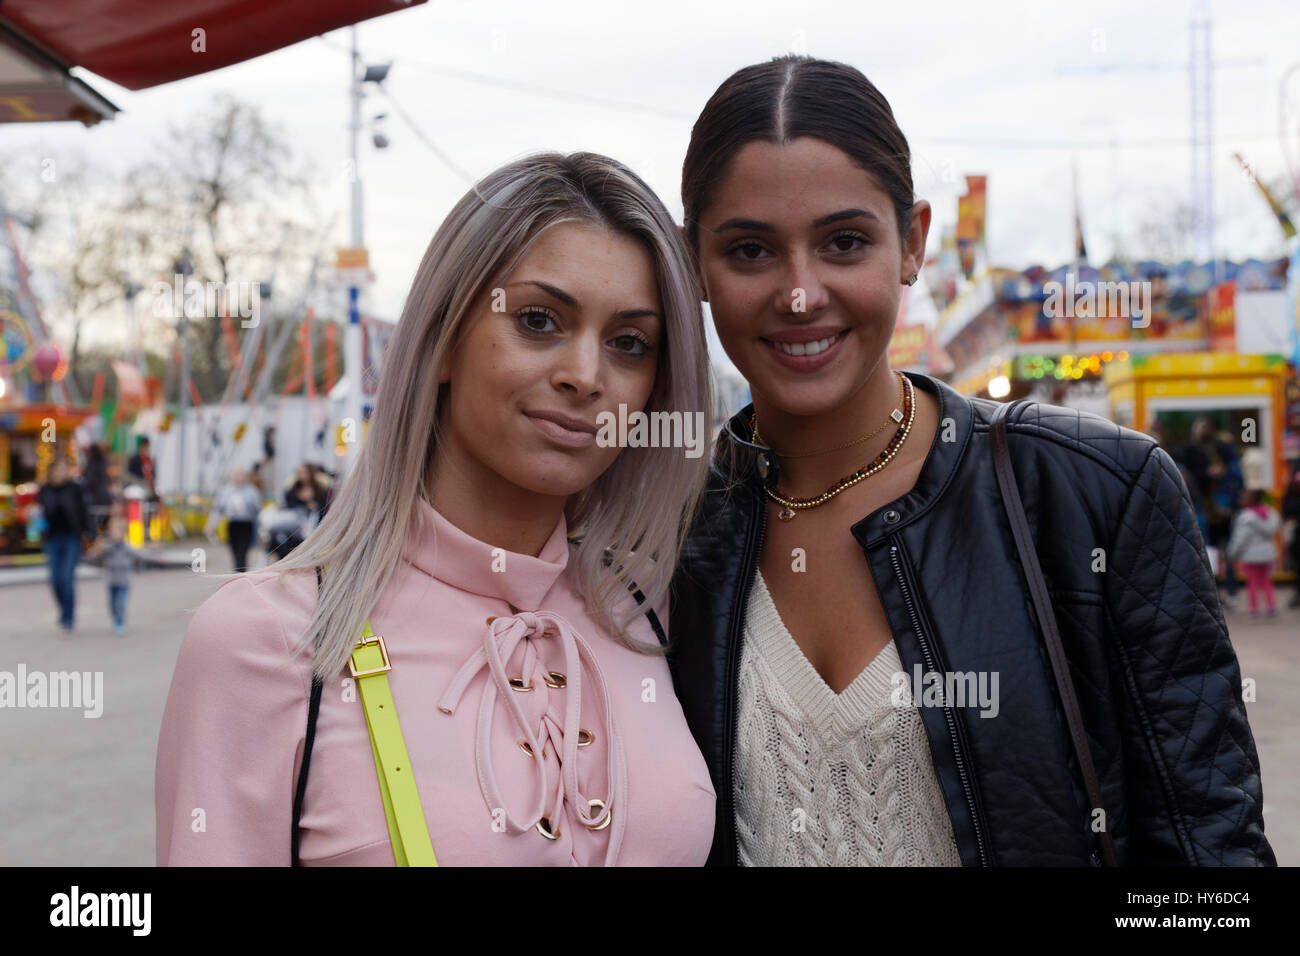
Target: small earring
point(912, 280)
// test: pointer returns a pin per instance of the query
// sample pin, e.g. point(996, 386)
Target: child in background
point(119, 560)
point(1251, 546)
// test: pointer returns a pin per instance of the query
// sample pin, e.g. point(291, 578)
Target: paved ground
point(78, 791)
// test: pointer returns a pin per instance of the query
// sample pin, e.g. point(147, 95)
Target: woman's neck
point(486, 506)
point(794, 436)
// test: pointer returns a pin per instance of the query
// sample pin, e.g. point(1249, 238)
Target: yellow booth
point(1244, 395)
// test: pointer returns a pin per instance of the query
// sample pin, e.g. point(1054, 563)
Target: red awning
point(142, 43)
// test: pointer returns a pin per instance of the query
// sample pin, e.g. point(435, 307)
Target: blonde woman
point(483, 518)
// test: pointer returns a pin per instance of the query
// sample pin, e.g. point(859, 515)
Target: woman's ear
point(444, 367)
point(914, 245)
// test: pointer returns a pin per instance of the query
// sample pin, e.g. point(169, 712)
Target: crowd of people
point(282, 525)
point(1238, 522)
point(81, 511)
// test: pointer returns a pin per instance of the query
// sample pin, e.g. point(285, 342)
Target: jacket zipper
point(733, 665)
point(930, 665)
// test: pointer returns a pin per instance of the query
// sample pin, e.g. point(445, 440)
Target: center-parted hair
point(785, 98)
point(630, 523)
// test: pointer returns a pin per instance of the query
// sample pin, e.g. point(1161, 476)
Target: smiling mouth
point(807, 348)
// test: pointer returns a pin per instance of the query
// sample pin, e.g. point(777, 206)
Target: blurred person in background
point(67, 521)
point(119, 561)
point(325, 482)
point(302, 507)
point(306, 492)
point(1158, 431)
point(141, 465)
point(239, 501)
point(1215, 466)
point(141, 470)
point(99, 498)
point(1251, 546)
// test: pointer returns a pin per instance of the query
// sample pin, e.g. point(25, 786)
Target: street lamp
point(372, 73)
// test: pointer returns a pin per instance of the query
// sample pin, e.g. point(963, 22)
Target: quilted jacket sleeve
point(1194, 792)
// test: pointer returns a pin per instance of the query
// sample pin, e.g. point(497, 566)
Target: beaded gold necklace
point(904, 418)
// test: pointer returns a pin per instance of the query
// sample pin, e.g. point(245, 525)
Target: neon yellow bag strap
point(407, 829)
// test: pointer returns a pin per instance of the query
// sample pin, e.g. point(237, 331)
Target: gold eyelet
point(527, 748)
point(517, 683)
point(585, 737)
point(601, 804)
point(490, 620)
point(546, 830)
point(556, 679)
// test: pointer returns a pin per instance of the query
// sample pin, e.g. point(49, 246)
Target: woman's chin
point(804, 399)
point(558, 479)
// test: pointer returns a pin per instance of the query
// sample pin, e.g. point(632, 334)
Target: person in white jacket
point(1252, 547)
point(240, 502)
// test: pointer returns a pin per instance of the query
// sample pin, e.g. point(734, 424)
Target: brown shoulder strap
point(1015, 509)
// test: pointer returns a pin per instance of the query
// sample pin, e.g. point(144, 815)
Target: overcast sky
point(976, 87)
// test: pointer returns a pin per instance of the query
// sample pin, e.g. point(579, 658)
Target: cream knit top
point(825, 779)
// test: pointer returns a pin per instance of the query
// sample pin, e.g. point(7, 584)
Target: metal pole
point(352, 337)
point(185, 401)
point(183, 269)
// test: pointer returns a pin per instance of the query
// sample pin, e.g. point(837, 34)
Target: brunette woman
point(857, 651)
point(516, 567)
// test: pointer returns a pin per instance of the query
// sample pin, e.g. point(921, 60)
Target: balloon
point(46, 360)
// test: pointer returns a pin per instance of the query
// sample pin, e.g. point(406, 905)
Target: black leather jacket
point(1157, 679)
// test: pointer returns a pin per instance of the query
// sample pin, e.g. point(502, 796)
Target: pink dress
point(613, 731)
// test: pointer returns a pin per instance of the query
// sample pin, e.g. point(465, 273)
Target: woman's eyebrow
point(552, 291)
point(758, 226)
point(572, 303)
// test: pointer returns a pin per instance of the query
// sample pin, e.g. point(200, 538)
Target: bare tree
point(224, 194)
point(230, 199)
point(1168, 232)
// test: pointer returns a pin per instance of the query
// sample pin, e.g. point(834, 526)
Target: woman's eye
point(746, 251)
point(535, 320)
point(631, 344)
point(847, 241)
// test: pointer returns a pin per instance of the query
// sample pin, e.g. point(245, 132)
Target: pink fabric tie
point(501, 638)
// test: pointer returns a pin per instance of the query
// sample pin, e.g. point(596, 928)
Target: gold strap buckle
point(364, 641)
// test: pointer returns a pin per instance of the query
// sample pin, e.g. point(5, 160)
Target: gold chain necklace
point(893, 419)
point(792, 506)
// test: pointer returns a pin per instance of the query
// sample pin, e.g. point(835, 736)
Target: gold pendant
point(786, 514)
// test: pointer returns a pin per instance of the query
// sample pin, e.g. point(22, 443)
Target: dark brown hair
point(787, 97)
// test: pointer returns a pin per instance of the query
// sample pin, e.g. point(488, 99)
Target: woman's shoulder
point(1076, 437)
point(254, 618)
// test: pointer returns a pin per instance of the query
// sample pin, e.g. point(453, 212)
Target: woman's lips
point(562, 434)
point(826, 350)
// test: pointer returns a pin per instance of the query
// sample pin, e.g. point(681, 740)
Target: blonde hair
point(630, 523)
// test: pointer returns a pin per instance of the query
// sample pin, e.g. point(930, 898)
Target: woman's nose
point(578, 367)
point(802, 289)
